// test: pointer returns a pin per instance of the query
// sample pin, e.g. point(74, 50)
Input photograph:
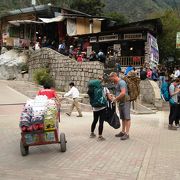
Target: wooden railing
point(126, 61)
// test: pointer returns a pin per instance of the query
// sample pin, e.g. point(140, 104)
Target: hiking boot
point(92, 135)
point(171, 127)
point(68, 114)
point(101, 138)
point(125, 137)
point(79, 115)
point(120, 134)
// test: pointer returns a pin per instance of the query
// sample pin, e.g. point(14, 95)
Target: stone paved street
point(151, 153)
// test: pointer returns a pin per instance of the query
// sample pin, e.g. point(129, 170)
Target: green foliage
point(137, 10)
point(24, 67)
point(41, 76)
point(119, 18)
point(93, 7)
point(167, 40)
point(134, 9)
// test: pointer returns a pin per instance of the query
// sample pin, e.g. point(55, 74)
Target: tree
point(119, 18)
point(92, 7)
point(167, 39)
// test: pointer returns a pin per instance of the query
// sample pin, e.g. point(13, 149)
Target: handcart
point(50, 135)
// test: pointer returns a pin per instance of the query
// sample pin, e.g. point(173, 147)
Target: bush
point(41, 76)
point(24, 67)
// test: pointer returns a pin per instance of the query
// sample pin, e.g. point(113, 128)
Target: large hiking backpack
point(133, 86)
point(165, 95)
point(96, 94)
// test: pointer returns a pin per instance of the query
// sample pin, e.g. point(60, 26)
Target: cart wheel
point(24, 149)
point(63, 142)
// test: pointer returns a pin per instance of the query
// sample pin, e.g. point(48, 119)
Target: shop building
point(130, 44)
point(21, 27)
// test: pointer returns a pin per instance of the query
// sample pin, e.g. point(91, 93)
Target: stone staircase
point(30, 90)
point(143, 108)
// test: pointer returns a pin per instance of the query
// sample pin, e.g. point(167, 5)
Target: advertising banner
point(154, 51)
point(178, 40)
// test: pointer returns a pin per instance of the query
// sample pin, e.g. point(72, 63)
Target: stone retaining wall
point(150, 93)
point(64, 69)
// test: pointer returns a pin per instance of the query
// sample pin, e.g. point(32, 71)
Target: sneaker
point(101, 138)
point(120, 134)
point(125, 137)
point(92, 135)
point(79, 116)
point(177, 126)
point(171, 127)
point(68, 114)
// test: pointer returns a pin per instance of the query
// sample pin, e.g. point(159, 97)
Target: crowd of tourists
point(80, 55)
point(167, 80)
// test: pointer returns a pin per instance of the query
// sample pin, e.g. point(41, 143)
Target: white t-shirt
point(37, 46)
point(73, 92)
point(177, 73)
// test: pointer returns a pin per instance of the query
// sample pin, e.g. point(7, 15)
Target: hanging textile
point(71, 27)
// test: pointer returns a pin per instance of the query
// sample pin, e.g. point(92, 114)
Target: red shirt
point(50, 93)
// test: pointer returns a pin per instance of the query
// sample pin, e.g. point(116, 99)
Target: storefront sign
point(133, 36)
point(93, 39)
point(178, 40)
point(108, 38)
point(117, 49)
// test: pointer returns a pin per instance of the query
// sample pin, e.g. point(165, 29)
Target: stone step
point(141, 109)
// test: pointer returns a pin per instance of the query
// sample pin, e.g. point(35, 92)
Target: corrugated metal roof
point(18, 22)
point(29, 9)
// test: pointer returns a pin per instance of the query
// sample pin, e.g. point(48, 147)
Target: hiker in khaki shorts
point(123, 100)
point(74, 93)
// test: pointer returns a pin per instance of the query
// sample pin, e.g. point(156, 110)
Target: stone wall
point(65, 70)
point(150, 93)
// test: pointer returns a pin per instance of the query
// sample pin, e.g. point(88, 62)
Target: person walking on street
point(74, 93)
point(122, 98)
point(174, 106)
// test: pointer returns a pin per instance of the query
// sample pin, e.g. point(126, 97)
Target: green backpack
point(96, 94)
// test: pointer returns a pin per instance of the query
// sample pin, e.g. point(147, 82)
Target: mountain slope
point(134, 10)
point(139, 9)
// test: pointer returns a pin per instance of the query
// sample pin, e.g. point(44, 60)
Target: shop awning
point(55, 19)
point(18, 22)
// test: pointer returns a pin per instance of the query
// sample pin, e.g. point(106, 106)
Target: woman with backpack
point(174, 104)
point(98, 99)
